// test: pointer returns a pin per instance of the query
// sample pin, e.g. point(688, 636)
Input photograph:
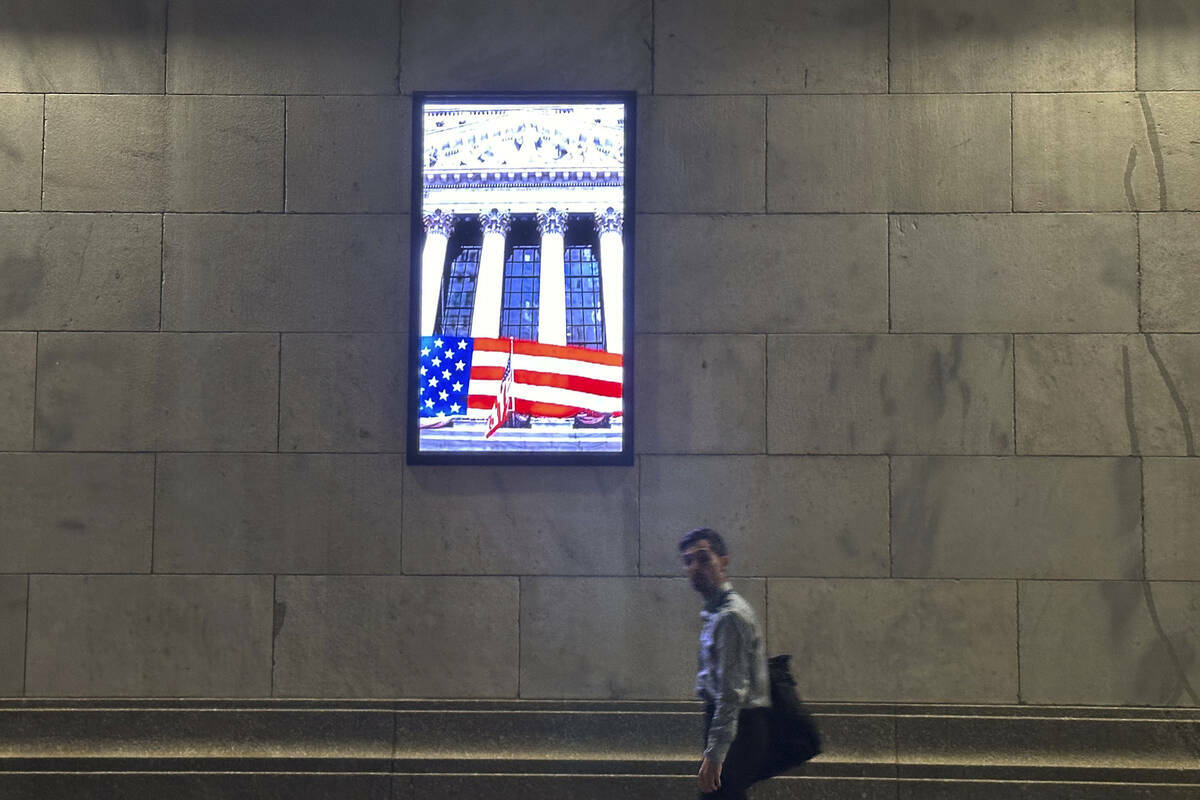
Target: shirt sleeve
point(731, 670)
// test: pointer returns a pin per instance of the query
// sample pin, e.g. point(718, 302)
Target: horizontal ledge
point(447, 705)
point(497, 767)
point(199, 765)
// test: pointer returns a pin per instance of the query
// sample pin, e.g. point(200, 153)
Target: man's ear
point(725, 563)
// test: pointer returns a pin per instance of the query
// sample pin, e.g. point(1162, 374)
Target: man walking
point(732, 673)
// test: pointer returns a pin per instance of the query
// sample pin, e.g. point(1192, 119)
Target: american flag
point(461, 376)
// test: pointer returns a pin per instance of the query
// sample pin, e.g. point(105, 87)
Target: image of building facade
point(522, 211)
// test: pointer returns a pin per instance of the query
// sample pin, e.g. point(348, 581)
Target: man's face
point(705, 569)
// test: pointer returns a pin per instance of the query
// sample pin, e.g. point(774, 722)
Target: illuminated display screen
point(522, 266)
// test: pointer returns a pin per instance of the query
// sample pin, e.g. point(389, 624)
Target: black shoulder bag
point(794, 737)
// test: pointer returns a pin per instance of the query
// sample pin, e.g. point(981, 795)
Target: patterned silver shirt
point(732, 669)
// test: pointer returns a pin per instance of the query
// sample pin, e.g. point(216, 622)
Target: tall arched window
point(519, 310)
point(458, 294)
point(585, 321)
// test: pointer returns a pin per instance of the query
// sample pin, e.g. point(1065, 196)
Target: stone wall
point(918, 296)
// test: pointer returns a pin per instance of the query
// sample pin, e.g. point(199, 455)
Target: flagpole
point(504, 401)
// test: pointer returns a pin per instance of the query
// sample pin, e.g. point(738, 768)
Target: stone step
point(546, 748)
point(318, 786)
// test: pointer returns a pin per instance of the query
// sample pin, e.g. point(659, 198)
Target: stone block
point(396, 637)
point(554, 735)
point(278, 47)
point(701, 154)
point(18, 362)
point(634, 787)
point(520, 521)
point(20, 148)
point(12, 633)
point(781, 47)
point(343, 392)
point(793, 274)
point(991, 273)
point(349, 154)
point(278, 513)
point(826, 788)
point(786, 516)
point(613, 638)
point(155, 391)
point(1170, 258)
point(1047, 744)
point(149, 636)
point(897, 640)
point(202, 786)
point(1022, 46)
point(286, 273)
point(936, 395)
point(196, 736)
point(1110, 642)
point(525, 45)
point(1107, 394)
point(1167, 57)
point(161, 152)
point(108, 47)
point(1106, 152)
point(918, 789)
point(86, 271)
point(920, 153)
point(76, 512)
point(700, 394)
point(1017, 518)
point(544, 787)
point(1172, 518)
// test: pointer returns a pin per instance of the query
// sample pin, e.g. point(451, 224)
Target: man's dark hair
point(715, 542)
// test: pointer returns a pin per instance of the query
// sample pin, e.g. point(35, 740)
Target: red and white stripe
point(548, 380)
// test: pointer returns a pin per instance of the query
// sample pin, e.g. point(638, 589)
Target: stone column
point(612, 278)
point(438, 227)
point(552, 285)
point(489, 287)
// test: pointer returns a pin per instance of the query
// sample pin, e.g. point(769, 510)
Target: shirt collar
point(719, 600)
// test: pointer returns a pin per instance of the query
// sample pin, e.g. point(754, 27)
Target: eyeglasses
point(700, 557)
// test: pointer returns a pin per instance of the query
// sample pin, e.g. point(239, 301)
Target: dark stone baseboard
point(444, 750)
